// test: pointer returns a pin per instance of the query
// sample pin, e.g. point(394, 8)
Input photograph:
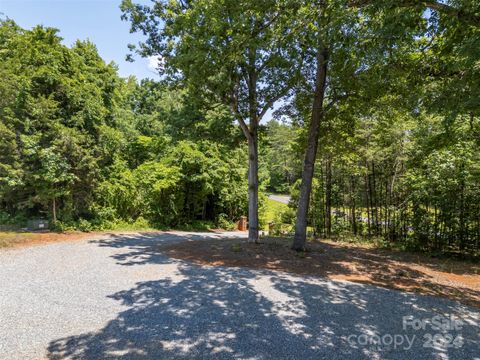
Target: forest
point(365, 112)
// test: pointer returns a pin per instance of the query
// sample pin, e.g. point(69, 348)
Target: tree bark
point(373, 199)
point(353, 205)
point(367, 199)
point(54, 210)
point(250, 131)
point(252, 149)
point(462, 214)
point(311, 151)
point(253, 189)
point(252, 138)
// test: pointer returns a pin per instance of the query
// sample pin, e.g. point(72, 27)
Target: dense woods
point(88, 149)
point(415, 184)
point(377, 130)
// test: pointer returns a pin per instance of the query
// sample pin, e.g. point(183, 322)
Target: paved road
point(120, 298)
point(284, 199)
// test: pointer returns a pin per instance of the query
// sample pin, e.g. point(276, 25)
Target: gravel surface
point(118, 297)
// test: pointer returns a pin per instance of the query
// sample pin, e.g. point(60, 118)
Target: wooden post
point(242, 223)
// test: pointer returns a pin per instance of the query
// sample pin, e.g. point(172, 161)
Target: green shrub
point(224, 223)
point(62, 226)
point(288, 216)
point(84, 225)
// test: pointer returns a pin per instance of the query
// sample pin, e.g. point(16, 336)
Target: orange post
point(242, 223)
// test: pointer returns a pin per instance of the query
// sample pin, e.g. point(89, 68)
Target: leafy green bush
point(84, 225)
point(189, 183)
point(62, 226)
point(288, 216)
point(224, 223)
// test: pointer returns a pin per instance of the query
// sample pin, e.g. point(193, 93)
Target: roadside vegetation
point(272, 214)
point(365, 113)
point(89, 150)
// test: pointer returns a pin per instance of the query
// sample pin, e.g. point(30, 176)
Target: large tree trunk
point(253, 189)
point(311, 152)
point(252, 138)
point(252, 150)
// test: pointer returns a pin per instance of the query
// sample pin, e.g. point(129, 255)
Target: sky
point(96, 20)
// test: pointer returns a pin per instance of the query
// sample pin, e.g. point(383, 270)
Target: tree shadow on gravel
point(391, 269)
point(224, 313)
point(145, 248)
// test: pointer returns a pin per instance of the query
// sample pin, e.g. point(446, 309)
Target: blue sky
point(96, 20)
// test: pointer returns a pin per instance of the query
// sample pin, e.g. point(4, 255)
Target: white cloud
point(155, 63)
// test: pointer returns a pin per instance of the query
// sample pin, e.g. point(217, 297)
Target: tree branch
point(272, 101)
point(335, 100)
point(460, 14)
point(238, 115)
point(244, 127)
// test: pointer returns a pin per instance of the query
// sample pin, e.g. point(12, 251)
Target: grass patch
point(10, 238)
point(272, 211)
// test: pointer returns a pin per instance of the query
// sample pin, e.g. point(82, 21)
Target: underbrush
point(140, 224)
point(405, 247)
point(276, 218)
point(84, 225)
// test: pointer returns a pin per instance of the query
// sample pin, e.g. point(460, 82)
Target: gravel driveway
point(118, 297)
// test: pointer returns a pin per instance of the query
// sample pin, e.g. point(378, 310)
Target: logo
point(436, 332)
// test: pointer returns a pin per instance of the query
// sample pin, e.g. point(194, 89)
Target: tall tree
point(312, 145)
point(242, 53)
point(352, 48)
